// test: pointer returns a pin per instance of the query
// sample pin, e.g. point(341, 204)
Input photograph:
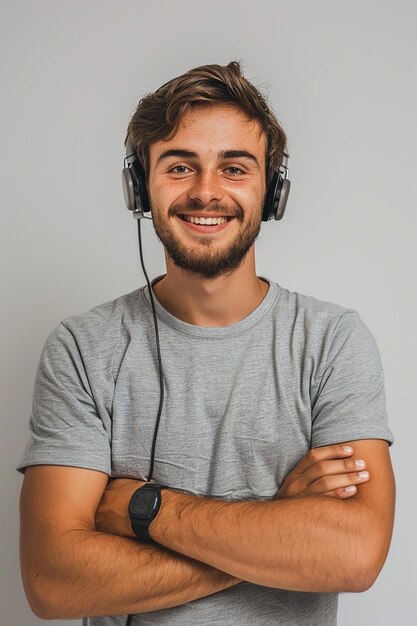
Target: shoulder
point(98, 329)
point(312, 312)
point(319, 326)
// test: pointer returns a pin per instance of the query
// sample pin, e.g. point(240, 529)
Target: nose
point(206, 187)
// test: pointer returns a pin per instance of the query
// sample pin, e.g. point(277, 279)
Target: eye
point(179, 169)
point(234, 170)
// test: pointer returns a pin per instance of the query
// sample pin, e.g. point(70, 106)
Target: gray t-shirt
point(244, 403)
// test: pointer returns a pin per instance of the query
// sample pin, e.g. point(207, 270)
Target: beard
point(207, 262)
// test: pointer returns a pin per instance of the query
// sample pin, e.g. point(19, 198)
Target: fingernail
point(347, 448)
point(363, 474)
point(359, 463)
point(350, 489)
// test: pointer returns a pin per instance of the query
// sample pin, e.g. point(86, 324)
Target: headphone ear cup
point(128, 185)
point(276, 198)
point(282, 200)
point(272, 192)
point(134, 188)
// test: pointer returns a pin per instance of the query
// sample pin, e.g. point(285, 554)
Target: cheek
point(247, 196)
point(165, 194)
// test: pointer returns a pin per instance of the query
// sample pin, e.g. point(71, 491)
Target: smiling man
point(267, 487)
point(210, 180)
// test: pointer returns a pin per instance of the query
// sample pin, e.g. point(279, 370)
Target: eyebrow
point(236, 154)
point(184, 154)
point(224, 154)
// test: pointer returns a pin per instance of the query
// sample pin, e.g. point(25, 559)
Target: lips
point(205, 219)
point(204, 228)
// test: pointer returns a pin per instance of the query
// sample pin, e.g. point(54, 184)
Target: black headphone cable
point(161, 373)
point(158, 348)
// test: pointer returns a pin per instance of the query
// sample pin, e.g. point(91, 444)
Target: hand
point(323, 471)
point(112, 514)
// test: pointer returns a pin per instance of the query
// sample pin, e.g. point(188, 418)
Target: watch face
point(144, 503)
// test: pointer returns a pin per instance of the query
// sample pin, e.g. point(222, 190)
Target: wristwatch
point(143, 508)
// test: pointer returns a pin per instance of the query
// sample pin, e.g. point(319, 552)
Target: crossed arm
point(73, 568)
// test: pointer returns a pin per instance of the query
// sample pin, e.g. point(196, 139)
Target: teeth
point(204, 220)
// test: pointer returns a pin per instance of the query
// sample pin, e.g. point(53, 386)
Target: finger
point(315, 455)
point(342, 493)
point(338, 481)
point(324, 477)
point(329, 468)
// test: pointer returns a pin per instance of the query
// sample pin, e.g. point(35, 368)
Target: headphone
point(137, 199)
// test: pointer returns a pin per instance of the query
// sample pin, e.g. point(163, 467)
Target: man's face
point(214, 167)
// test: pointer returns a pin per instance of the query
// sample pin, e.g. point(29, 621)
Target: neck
point(220, 301)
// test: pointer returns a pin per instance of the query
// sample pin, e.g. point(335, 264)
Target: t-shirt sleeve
point(350, 399)
point(65, 426)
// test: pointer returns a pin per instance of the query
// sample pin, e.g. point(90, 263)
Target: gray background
point(341, 77)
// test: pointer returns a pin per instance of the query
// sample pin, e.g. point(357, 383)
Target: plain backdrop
point(341, 77)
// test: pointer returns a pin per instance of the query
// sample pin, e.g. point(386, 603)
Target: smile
point(206, 224)
point(195, 219)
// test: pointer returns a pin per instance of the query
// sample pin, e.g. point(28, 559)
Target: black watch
point(143, 508)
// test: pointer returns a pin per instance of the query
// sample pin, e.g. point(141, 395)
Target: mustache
point(195, 205)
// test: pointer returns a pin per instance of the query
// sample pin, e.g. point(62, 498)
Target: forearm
point(89, 573)
point(301, 544)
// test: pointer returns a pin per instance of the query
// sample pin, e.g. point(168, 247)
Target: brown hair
point(158, 115)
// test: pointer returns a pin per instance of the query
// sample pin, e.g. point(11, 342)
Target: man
point(271, 397)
